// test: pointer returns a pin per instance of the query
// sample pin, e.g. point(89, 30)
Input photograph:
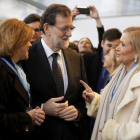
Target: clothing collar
point(48, 50)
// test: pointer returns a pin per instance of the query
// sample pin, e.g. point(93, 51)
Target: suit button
point(27, 129)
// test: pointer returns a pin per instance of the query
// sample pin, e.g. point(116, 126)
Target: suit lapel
point(70, 66)
point(17, 84)
point(19, 87)
point(68, 60)
point(42, 62)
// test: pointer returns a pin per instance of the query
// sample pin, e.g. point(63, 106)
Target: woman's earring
point(135, 58)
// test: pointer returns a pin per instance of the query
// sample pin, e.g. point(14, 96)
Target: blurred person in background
point(94, 62)
point(84, 44)
point(75, 42)
point(111, 64)
point(33, 20)
point(74, 47)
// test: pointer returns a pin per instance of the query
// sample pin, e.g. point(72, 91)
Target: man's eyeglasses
point(64, 29)
point(36, 30)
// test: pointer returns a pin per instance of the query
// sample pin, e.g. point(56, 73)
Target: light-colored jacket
point(126, 125)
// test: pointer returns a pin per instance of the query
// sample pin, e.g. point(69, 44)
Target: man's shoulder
point(35, 46)
point(71, 53)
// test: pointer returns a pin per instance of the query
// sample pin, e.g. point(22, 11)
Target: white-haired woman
point(118, 109)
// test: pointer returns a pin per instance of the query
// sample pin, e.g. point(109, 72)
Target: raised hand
point(94, 13)
point(75, 12)
point(88, 94)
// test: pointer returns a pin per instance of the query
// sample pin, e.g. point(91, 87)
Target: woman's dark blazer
point(14, 122)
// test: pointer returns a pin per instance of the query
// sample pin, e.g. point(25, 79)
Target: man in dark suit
point(65, 112)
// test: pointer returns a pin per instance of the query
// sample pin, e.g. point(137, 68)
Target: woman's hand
point(88, 94)
point(37, 115)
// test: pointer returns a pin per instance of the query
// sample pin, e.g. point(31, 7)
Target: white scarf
point(108, 110)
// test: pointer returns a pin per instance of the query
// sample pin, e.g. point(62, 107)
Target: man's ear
point(46, 28)
point(102, 43)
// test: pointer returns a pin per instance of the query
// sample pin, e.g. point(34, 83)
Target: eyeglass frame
point(37, 30)
point(64, 29)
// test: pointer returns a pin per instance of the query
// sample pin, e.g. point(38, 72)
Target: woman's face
point(109, 59)
point(84, 46)
point(23, 53)
point(125, 52)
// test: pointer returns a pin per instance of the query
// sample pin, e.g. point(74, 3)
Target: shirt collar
point(48, 50)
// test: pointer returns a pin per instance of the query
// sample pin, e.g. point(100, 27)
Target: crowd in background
point(61, 90)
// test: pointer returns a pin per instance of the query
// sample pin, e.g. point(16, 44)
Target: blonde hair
point(115, 63)
point(134, 36)
point(13, 34)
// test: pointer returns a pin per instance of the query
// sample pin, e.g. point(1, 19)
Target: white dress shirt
point(60, 60)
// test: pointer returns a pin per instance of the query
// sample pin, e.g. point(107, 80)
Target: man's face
point(108, 45)
point(59, 38)
point(37, 33)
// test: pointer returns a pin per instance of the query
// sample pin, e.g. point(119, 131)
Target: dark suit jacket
point(43, 88)
point(14, 122)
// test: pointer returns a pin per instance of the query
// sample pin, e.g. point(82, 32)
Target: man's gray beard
point(64, 46)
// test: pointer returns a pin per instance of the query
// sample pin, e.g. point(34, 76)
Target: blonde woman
point(111, 64)
point(17, 118)
point(117, 110)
